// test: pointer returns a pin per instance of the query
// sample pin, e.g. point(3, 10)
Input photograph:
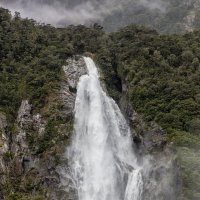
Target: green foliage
point(185, 139)
point(7, 156)
point(52, 135)
point(46, 141)
point(30, 64)
point(160, 79)
point(31, 58)
point(190, 162)
point(158, 75)
point(19, 196)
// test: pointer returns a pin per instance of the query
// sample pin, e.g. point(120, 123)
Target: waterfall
point(101, 157)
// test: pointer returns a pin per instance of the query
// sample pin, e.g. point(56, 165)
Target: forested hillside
point(161, 79)
point(158, 74)
point(31, 58)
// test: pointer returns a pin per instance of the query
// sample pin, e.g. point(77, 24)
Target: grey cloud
point(71, 12)
point(155, 4)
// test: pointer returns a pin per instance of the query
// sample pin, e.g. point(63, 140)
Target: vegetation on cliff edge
point(159, 75)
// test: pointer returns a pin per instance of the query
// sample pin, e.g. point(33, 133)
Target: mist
point(59, 12)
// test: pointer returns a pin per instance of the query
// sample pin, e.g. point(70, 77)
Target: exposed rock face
point(4, 134)
point(24, 121)
point(151, 137)
point(20, 147)
point(160, 172)
point(155, 139)
point(74, 69)
point(19, 155)
point(4, 147)
point(26, 124)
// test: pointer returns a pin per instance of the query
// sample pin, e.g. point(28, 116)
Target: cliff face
point(161, 177)
point(31, 151)
point(32, 162)
point(154, 72)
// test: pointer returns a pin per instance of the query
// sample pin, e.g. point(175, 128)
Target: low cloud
point(155, 4)
point(62, 13)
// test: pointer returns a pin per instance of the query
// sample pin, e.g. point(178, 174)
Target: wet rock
point(24, 114)
point(4, 134)
point(160, 170)
point(147, 138)
point(41, 170)
point(155, 139)
point(39, 124)
point(74, 69)
point(24, 121)
point(4, 147)
point(3, 122)
point(1, 194)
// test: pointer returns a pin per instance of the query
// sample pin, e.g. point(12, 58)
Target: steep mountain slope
point(164, 16)
point(160, 80)
point(156, 76)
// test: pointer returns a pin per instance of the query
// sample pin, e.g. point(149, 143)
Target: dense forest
point(31, 58)
point(161, 74)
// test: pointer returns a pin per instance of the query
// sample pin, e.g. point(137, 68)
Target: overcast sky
point(58, 12)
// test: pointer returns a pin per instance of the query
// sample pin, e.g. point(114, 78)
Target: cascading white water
point(101, 156)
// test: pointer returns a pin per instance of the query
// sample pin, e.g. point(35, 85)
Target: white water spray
point(101, 156)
